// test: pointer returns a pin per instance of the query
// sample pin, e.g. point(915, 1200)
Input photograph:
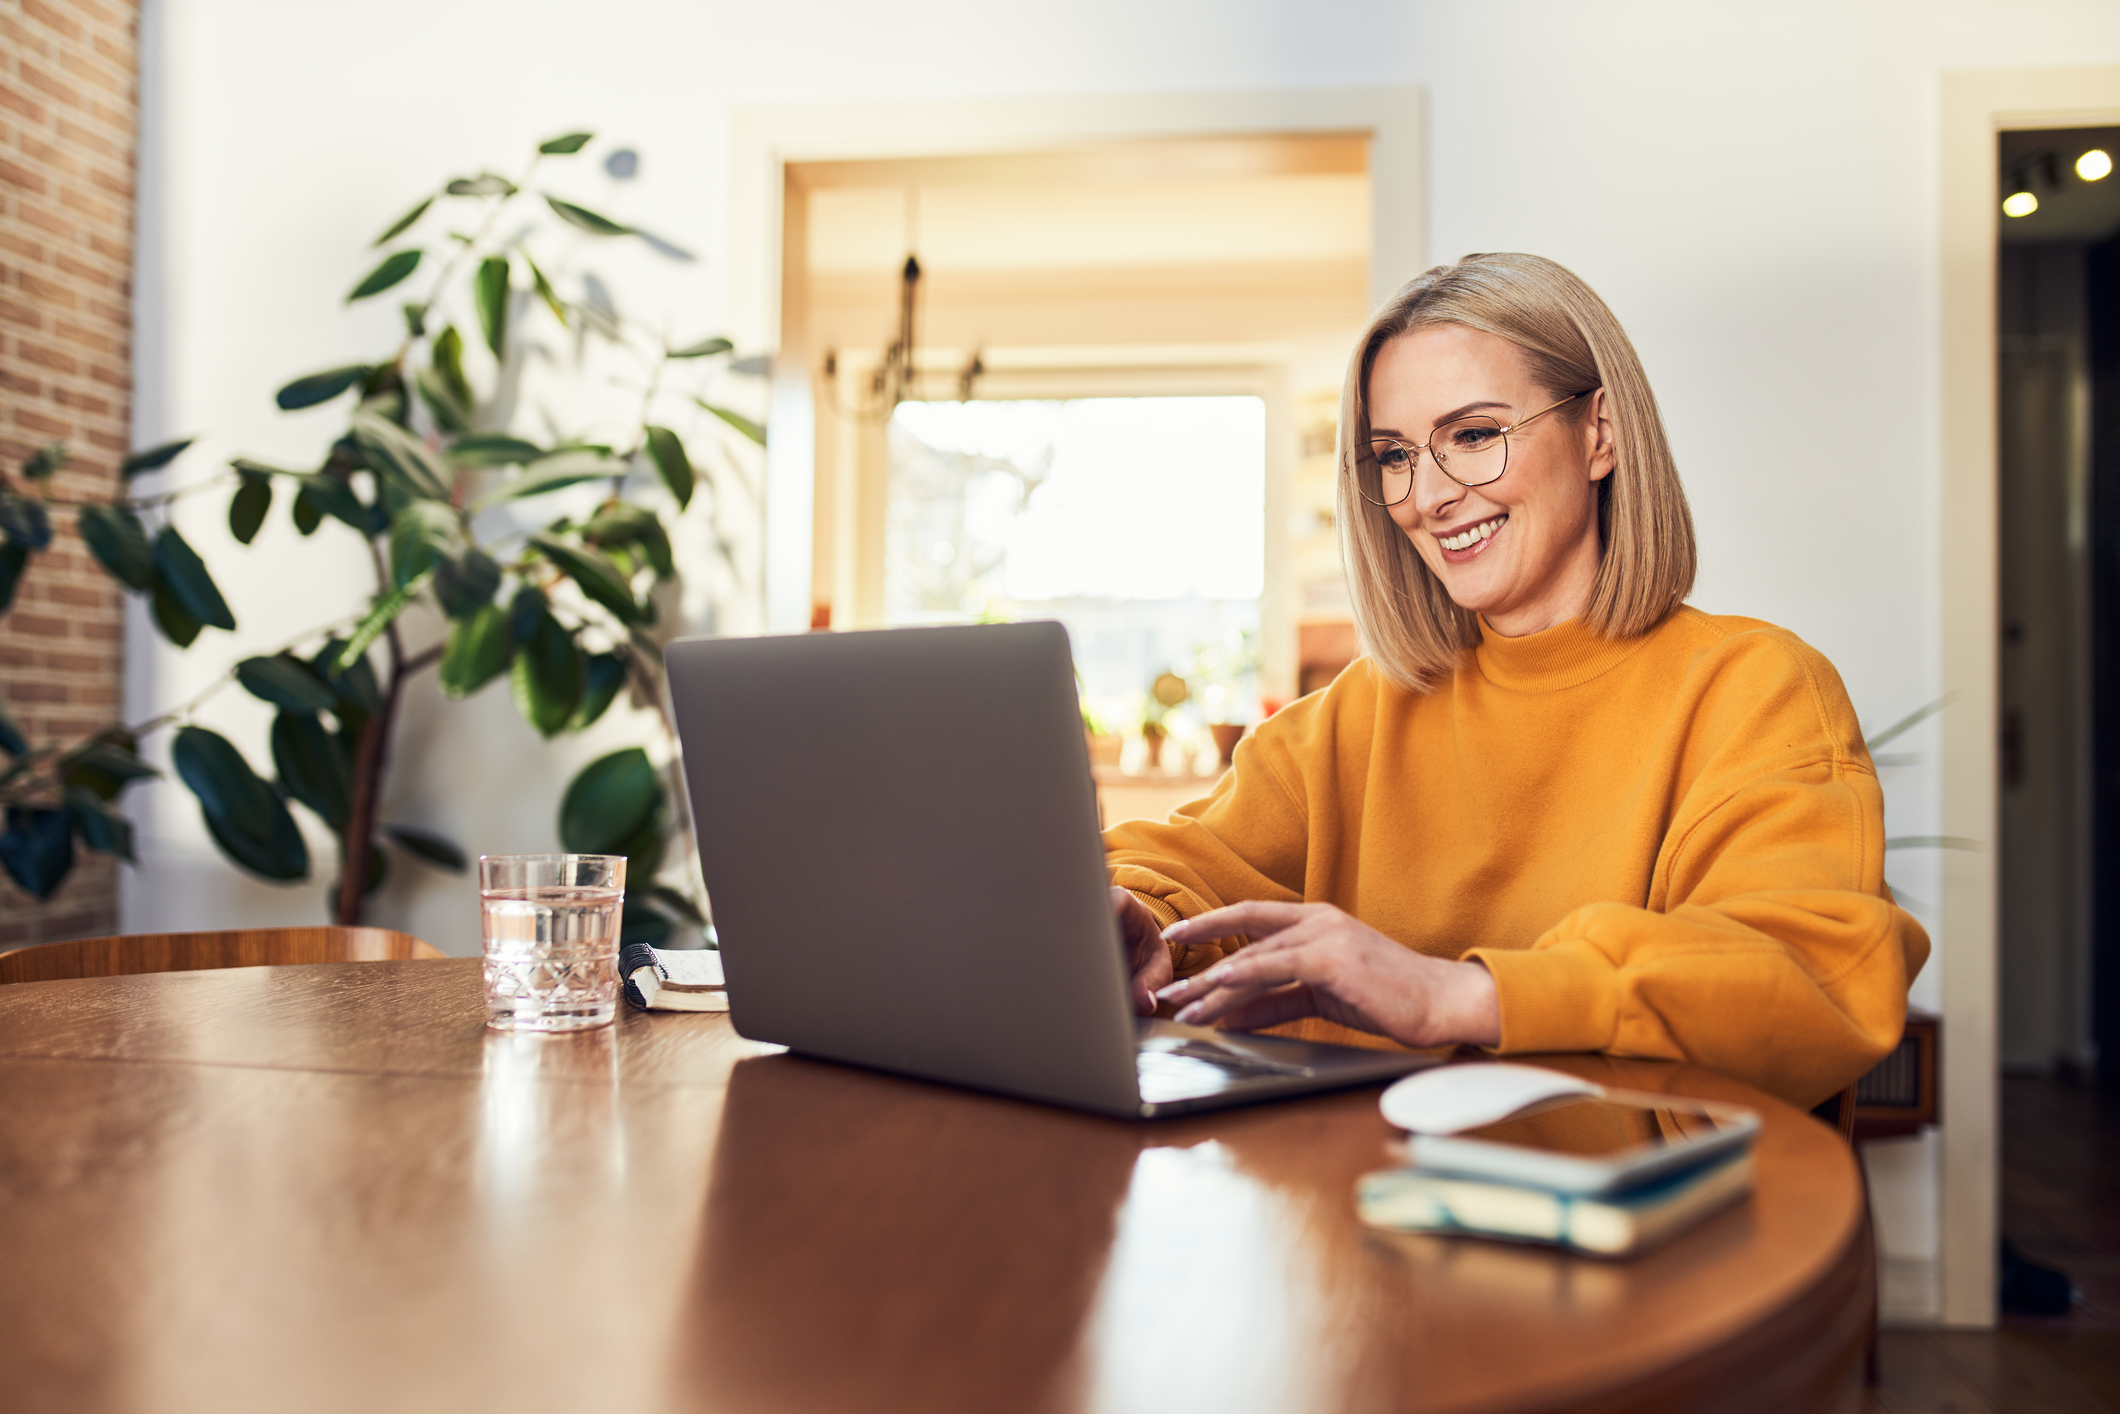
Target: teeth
point(1473, 535)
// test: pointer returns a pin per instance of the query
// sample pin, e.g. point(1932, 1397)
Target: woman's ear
point(1600, 438)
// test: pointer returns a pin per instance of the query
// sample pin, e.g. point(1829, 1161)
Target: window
point(1139, 523)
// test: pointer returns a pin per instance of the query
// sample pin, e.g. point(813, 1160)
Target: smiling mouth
point(1472, 535)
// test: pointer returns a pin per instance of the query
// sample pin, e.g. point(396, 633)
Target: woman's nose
point(1434, 493)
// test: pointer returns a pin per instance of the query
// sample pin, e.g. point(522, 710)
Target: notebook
point(663, 979)
point(1611, 1225)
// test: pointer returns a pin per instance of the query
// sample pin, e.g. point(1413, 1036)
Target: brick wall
point(69, 112)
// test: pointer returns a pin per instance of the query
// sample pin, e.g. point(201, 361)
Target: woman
point(1552, 809)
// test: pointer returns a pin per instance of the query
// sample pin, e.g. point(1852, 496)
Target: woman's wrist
point(1464, 1007)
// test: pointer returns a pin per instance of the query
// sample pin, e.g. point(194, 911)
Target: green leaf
point(703, 349)
point(624, 524)
point(403, 223)
point(548, 675)
point(312, 767)
point(320, 387)
point(308, 515)
point(466, 582)
point(449, 415)
point(492, 291)
point(370, 628)
point(668, 454)
point(101, 828)
point(46, 461)
point(179, 569)
point(286, 682)
point(248, 507)
point(493, 449)
point(447, 358)
point(154, 458)
point(755, 431)
point(478, 651)
point(246, 816)
point(1910, 721)
point(607, 674)
point(586, 219)
point(644, 847)
point(550, 473)
point(282, 856)
point(13, 560)
point(37, 849)
point(415, 319)
point(175, 621)
point(333, 497)
point(25, 522)
point(12, 741)
point(545, 291)
point(359, 693)
point(608, 802)
point(429, 848)
point(105, 767)
point(561, 146)
point(484, 184)
point(420, 534)
point(393, 269)
point(116, 538)
point(523, 613)
point(396, 455)
point(594, 575)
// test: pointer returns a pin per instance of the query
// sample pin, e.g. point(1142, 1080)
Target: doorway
point(2058, 517)
point(987, 338)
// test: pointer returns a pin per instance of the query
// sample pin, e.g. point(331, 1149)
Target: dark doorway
point(2059, 522)
point(2058, 431)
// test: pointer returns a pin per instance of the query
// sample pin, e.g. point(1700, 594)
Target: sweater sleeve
point(1246, 840)
point(1770, 949)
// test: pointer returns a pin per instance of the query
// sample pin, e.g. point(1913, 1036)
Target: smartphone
point(1604, 1143)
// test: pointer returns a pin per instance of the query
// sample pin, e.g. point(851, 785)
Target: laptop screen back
point(898, 833)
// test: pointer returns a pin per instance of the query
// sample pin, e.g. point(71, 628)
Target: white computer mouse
point(1450, 1098)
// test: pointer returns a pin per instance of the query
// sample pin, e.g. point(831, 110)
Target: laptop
point(898, 831)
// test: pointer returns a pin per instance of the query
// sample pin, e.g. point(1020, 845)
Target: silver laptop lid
point(898, 831)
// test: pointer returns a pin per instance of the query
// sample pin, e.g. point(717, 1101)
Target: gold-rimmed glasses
point(1472, 451)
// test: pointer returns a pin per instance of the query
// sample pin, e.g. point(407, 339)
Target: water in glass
point(551, 956)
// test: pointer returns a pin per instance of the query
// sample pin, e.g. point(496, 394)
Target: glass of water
point(550, 926)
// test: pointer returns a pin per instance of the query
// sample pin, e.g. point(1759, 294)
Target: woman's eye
point(1392, 457)
point(1471, 439)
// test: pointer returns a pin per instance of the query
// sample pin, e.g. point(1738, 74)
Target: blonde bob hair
point(1408, 623)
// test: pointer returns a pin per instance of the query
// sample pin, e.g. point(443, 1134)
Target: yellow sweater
point(1665, 846)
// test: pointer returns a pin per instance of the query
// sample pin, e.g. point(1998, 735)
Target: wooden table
point(330, 1188)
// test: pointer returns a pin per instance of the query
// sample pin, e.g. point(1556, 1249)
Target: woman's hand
point(1311, 959)
point(1147, 958)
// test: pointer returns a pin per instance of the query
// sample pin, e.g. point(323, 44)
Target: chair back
point(189, 952)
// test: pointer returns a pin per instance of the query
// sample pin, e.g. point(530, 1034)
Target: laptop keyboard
point(1181, 1070)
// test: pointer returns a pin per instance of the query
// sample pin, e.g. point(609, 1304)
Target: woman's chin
point(1472, 587)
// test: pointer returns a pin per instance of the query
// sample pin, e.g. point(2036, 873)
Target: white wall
point(1753, 188)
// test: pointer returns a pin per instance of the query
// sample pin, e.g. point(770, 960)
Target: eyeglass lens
point(1471, 451)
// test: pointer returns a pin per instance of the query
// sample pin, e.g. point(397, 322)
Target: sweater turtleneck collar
point(1566, 655)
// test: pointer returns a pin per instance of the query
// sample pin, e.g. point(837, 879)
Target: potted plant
point(435, 478)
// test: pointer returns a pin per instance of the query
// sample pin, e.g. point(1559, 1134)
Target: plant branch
point(465, 251)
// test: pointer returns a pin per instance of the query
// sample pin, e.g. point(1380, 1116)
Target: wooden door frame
point(1975, 106)
point(765, 139)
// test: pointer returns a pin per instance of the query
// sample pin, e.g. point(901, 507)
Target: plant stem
point(370, 757)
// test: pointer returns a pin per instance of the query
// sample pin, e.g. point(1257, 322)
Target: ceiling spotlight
point(2094, 164)
point(2019, 203)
